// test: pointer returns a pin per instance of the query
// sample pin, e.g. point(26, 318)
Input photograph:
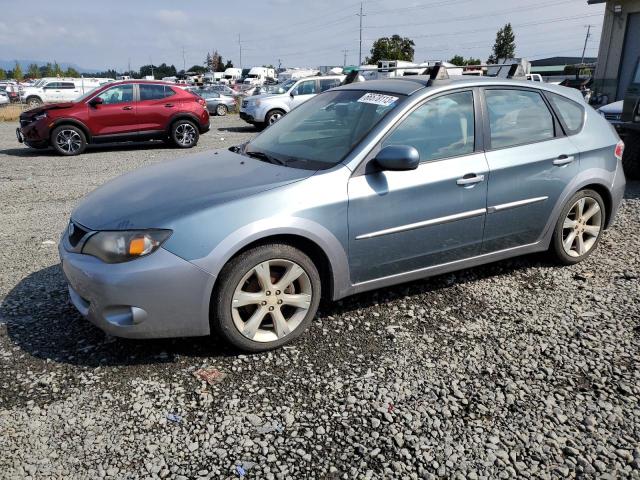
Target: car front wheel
point(266, 297)
point(184, 134)
point(579, 227)
point(68, 140)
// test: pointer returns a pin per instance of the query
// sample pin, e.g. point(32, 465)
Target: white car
point(53, 90)
point(4, 98)
point(262, 110)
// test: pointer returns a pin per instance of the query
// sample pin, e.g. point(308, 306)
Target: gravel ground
point(516, 369)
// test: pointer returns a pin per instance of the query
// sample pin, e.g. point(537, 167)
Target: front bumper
point(34, 133)
point(157, 296)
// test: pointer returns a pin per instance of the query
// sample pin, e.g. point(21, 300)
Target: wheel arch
point(182, 116)
point(605, 193)
point(76, 123)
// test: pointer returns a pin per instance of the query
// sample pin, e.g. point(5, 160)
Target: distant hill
point(24, 64)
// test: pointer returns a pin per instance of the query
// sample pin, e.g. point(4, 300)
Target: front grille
point(75, 233)
point(613, 116)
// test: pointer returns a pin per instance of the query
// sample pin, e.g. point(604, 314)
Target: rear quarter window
point(571, 113)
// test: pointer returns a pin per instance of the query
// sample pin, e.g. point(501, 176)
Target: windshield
point(87, 94)
point(322, 131)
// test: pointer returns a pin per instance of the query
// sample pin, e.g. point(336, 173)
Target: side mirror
point(398, 158)
point(95, 101)
point(292, 94)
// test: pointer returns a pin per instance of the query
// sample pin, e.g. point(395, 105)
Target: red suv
point(117, 112)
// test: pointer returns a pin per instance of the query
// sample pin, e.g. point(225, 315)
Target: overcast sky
point(299, 33)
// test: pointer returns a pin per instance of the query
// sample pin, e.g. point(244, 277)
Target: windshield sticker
point(377, 99)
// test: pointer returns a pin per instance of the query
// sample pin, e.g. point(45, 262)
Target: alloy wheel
point(274, 118)
point(185, 134)
point(271, 300)
point(221, 110)
point(68, 141)
point(582, 227)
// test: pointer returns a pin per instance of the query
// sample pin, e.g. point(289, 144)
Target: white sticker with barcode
point(378, 99)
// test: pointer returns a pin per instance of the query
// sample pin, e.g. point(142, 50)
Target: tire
point(575, 237)
point(239, 280)
point(34, 102)
point(631, 156)
point(221, 110)
point(273, 116)
point(184, 134)
point(68, 140)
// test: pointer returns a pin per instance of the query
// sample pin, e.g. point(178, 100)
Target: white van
point(52, 90)
point(259, 75)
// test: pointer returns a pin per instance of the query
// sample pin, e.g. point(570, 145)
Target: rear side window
point(327, 83)
point(517, 117)
point(441, 128)
point(154, 92)
point(570, 112)
point(67, 85)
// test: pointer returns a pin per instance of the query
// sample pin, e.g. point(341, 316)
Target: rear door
point(52, 92)
point(116, 115)
point(69, 91)
point(530, 162)
point(155, 106)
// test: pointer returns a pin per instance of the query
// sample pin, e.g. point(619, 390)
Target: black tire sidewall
point(222, 321)
point(267, 119)
point(83, 140)
point(556, 241)
point(174, 127)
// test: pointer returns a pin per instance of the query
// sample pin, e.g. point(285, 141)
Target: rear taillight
point(619, 150)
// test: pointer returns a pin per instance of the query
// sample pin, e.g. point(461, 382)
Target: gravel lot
point(519, 368)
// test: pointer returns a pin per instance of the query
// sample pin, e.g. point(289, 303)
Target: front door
point(530, 162)
point(302, 92)
point(409, 220)
point(116, 115)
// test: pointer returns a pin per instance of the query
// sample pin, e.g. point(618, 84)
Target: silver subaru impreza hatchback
point(364, 186)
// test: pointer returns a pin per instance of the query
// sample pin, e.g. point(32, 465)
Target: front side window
point(571, 113)
point(323, 130)
point(119, 94)
point(442, 127)
point(517, 117)
point(151, 92)
point(52, 86)
point(308, 87)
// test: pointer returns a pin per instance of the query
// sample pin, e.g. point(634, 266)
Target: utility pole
point(586, 39)
point(240, 46)
point(360, 52)
point(184, 62)
point(279, 64)
point(344, 62)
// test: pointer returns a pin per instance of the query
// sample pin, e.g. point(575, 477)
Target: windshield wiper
point(264, 157)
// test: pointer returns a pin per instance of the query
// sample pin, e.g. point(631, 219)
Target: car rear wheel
point(184, 134)
point(68, 140)
point(631, 156)
point(579, 227)
point(266, 297)
point(273, 116)
point(221, 110)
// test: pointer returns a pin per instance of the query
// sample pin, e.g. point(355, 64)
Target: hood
point(50, 106)
point(615, 107)
point(153, 197)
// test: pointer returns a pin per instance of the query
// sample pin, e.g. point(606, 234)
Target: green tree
point(33, 71)
point(229, 64)
point(392, 48)
point(208, 62)
point(457, 60)
point(46, 70)
point(197, 69)
point(57, 71)
point(72, 72)
point(17, 72)
point(505, 45)
point(3, 74)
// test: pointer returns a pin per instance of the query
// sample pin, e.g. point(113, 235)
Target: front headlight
point(123, 246)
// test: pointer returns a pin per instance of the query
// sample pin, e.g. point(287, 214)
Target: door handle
point(470, 179)
point(563, 160)
point(168, 105)
point(128, 107)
